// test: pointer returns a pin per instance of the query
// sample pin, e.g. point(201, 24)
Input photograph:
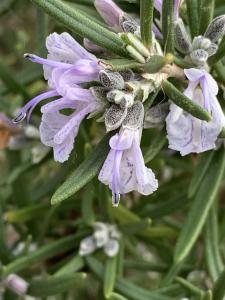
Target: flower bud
point(127, 75)
point(87, 246)
point(128, 24)
point(17, 284)
point(114, 117)
point(110, 12)
point(101, 234)
point(182, 38)
point(199, 57)
point(135, 116)
point(111, 80)
point(156, 115)
point(201, 42)
point(124, 99)
point(216, 29)
point(112, 248)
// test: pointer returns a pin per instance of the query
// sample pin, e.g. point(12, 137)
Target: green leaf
point(201, 205)
point(195, 291)
point(157, 143)
point(115, 296)
point(109, 276)
point(193, 17)
point(121, 64)
point(74, 265)
point(55, 285)
point(86, 171)
point(87, 206)
point(126, 288)
point(43, 253)
point(6, 5)
point(200, 171)
point(157, 62)
point(27, 213)
point(81, 24)
point(146, 15)
point(220, 71)
point(212, 252)
point(11, 82)
point(206, 14)
point(184, 102)
point(219, 288)
point(137, 227)
point(168, 26)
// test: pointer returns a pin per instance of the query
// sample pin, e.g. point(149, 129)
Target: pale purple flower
point(110, 12)
point(17, 284)
point(124, 169)
point(159, 3)
point(58, 130)
point(114, 16)
point(67, 66)
point(188, 134)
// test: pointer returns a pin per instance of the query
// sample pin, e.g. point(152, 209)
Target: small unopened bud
point(101, 234)
point(124, 99)
point(216, 29)
point(87, 246)
point(99, 93)
point(128, 24)
point(114, 117)
point(17, 284)
point(111, 80)
point(201, 42)
point(127, 75)
point(182, 37)
point(156, 115)
point(110, 12)
point(135, 116)
point(112, 248)
point(212, 49)
point(199, 57)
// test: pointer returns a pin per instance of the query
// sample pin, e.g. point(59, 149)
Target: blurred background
point(29, 176)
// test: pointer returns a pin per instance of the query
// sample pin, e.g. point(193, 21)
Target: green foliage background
point(173, 242)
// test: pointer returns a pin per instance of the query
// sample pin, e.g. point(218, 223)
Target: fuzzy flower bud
point(216, 29)
point(17, 284)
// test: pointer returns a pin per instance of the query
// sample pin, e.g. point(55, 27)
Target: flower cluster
point(105, 236)
point(119, 97)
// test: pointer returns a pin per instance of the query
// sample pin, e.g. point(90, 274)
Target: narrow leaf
point(219, 287)
point(212, 252)
point(43, 253)
point(168, 26)
point(157, 143)
point(55, 285)
point(184, 102)
point(81, 24)
point(146, 14)
point(193, 16)
point(206, 14)
point(74, 265)
point(201, 204)
point(109, 276)
point(86, 171)
point(200, 171)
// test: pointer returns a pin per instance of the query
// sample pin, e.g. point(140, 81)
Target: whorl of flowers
point(120, 95)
